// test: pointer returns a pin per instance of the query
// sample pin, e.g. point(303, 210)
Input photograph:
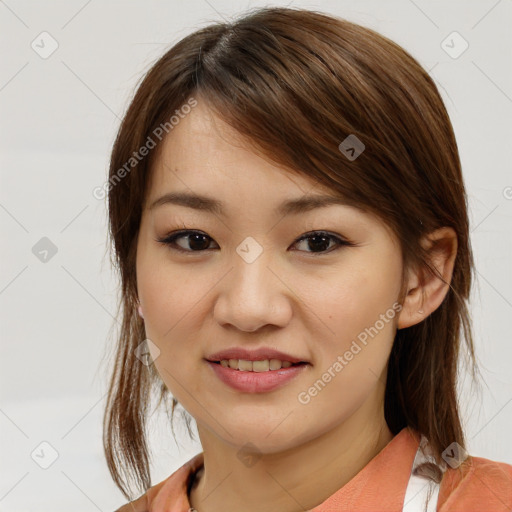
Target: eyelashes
point(316, 239)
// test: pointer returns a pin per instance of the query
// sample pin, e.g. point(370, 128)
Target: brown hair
point(297, 83)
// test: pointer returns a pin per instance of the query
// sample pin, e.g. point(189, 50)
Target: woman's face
point(244, 279)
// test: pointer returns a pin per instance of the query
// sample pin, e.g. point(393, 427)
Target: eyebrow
point(290, 207)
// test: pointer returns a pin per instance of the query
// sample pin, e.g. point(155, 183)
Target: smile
point(264, 365)
point(256, 376)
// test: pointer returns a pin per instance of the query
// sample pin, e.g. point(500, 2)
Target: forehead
point(205, 155)
point(207, 166)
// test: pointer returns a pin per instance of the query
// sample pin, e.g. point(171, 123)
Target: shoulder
point(477, 482)
point(143, 503)
point(171, 491)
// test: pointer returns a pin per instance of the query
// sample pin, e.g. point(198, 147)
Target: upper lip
point(259, 354)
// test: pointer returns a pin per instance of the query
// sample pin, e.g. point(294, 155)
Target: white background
point(58, 119)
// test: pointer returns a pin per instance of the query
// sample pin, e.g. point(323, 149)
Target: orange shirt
point(486, 485)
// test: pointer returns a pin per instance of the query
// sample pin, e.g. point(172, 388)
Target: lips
point(257, 382)
point(259, 354)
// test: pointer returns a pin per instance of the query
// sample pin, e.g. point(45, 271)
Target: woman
point(289, 219)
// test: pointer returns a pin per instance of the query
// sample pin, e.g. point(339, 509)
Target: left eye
point(318, 240)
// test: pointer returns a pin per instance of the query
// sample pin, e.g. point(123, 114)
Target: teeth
point(255, 366)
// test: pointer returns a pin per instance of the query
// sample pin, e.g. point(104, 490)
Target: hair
point(296, 83)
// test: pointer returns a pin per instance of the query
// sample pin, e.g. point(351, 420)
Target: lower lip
point(256, 382)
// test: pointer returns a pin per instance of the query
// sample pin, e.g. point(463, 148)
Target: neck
point(298, 479)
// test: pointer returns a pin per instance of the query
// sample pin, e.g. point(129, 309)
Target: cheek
point(169, 298)
point(357, 308)
point(165, 294)
point(172, 302)
point(355, 299)
point(352, 354)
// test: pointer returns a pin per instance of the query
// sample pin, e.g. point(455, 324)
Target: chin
point(261, 440)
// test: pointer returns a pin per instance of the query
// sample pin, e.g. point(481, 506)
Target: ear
point(425, 291)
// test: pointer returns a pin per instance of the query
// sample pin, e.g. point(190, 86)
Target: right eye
point(196, 241)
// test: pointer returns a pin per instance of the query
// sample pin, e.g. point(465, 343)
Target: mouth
point(255, 359)
point(256, 370)
point(259, 376)
point(258, 366)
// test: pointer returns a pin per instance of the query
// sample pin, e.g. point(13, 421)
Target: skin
point(307, 301)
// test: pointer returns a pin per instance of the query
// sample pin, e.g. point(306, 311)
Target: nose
point(253, 295)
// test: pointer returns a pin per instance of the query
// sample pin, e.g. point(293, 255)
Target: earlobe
point(425, 289)
point(140, 311)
